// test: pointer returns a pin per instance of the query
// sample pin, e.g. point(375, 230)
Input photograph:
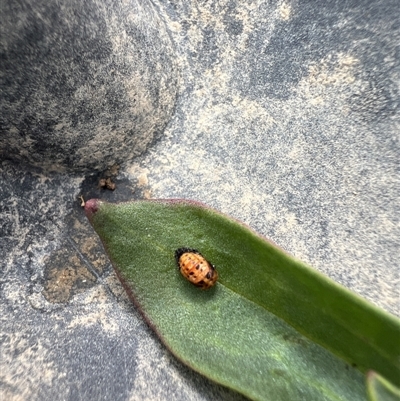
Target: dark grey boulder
point(84, 84)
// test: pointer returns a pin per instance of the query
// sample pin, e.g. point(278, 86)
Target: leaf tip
point(91, 207)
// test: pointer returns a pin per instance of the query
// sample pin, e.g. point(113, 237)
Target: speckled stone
point(85, 85)
point(287, 117)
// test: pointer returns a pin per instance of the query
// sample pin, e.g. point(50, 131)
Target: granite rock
point(85, 85)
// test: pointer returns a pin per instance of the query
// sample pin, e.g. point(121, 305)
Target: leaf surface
point(271, 328)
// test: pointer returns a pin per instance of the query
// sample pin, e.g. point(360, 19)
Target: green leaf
point(380, 389)
point(271, 328)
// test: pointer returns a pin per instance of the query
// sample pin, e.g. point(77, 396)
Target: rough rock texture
point(84, 85)
point(287, 118)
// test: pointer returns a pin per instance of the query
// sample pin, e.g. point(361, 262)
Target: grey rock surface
point(287, 117)
point(84, 85)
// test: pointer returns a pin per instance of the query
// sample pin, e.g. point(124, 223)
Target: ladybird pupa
point(196, 268)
